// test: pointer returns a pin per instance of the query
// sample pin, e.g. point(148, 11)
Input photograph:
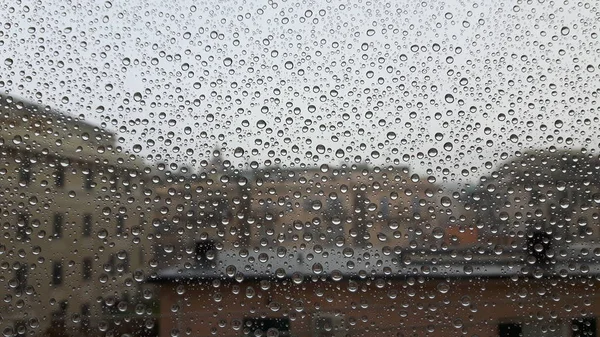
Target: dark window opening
point(510, 330)
point(260, 326)
point(87, 269)
point(205, 252)
point(113, 182)
point(120, 224)
point(57, 273)
point(20, 328)
point(59, 178)
point(58, 225)
point(127, 185)
point(89, 180)
point(85, 316)
point(126, 262)
point(23, 227)
point(21, 276)
point(112, 265)
point(538, 245)
point(25, 171)
point(87, 225)
point(584, 327)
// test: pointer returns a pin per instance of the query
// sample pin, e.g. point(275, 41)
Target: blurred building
point(279, 292)
point(306, 208)
point(359, 251)
point(72, 220)
point(548, 196)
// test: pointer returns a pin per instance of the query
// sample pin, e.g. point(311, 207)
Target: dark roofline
point(427, 271)
point(30, 106)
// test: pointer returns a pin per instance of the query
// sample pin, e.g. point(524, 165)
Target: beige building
point(306, 208)
point(554, 195)
point(73, 219)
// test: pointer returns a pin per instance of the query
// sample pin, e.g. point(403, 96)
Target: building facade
point(73, 219)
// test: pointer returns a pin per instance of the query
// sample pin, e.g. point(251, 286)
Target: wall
point(379, 307)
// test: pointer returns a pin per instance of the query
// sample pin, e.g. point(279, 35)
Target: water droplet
point(565, 31)
point(102, 234)
point(443, 287)
point(438, 233)
point(558, 124)
point(239, 152)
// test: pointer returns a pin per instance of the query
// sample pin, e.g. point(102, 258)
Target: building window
point(510, 330)
point(127, 185)
point(25, 171)
point(58, 225)
point(87, 225)
point(86, 271)
point(584, 327)
point(20, 328)
point(112, 265)
point(260, 326)
point(21, 276)
point(23, 227)
point(85, 316)
point(385, 207)
point(120, 224)
point(88, 180)
point(125, 262)
point(307, 205)
point(113, 182)
point(329, 326)
point(57, 273)
point(335, 209)
point(59, 178)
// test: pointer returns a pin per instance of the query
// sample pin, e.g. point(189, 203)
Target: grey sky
point(366, 68)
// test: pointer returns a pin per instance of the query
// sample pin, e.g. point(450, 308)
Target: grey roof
point(365, 264)
point(32, 127)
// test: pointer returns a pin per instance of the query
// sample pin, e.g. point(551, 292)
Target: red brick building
point(355, 292)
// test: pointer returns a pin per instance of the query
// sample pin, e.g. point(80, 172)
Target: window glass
point(299, 168)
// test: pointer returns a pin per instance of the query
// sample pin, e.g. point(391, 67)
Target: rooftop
point(359, 263)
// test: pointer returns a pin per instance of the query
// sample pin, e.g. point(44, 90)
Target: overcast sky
point(435, 85)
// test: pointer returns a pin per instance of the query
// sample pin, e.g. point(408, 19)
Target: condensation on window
point(299, 168)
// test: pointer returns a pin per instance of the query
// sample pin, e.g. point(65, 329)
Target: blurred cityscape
point(98, 242)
